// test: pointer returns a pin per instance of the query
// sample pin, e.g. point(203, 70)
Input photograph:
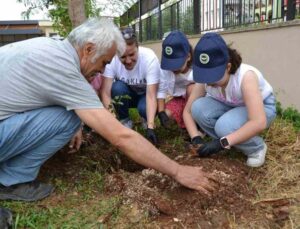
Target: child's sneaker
point(127, 122)
point(258, 158)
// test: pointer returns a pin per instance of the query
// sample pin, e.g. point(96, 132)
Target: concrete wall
point(274, 50)
point(47, 27)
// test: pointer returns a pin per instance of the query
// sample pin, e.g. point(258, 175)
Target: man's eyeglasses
point(128, 33)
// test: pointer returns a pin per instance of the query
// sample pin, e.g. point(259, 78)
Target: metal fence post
point(172, 17)
point(196, 16)
point(140, 20)
point(223, 13)
point(159, 20)
point(177, 16)
point(240, 12)
point(291, 10)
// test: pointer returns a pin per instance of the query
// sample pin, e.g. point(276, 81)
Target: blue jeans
point(119, 88)
point(218, 120)
point(28, 139)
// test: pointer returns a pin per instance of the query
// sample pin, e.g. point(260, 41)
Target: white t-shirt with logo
point(174, 85)
point(145, 72)
point(233, 90)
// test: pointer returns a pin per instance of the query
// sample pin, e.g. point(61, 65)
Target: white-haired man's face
point(90, 67)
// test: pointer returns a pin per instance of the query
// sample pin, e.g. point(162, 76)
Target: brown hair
point(131, 39)
point(190, 62)
point(235, 59)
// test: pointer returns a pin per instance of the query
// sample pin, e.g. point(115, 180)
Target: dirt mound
point(167, 204)
point(164, 199)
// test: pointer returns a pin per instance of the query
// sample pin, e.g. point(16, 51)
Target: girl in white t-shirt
point(231, 101)
point(176, 79)
point(135, 74)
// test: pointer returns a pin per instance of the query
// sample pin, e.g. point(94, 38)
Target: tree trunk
point(77, 12)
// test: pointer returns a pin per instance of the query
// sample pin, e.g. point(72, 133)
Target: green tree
point(59, 11)
point(67, 14)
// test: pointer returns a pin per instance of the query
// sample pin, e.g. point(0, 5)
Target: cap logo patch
point(126, 36)
point(204, 58)
point(168, 50)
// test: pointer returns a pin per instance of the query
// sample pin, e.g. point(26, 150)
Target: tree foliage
point(60, 17)
point(58, 10)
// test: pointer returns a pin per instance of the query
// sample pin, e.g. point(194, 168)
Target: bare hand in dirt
point(195, 178)
point(76, 142)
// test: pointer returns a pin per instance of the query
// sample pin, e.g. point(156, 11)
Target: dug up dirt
point(149, 199)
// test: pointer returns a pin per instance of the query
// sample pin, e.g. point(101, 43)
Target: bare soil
point(166, 203)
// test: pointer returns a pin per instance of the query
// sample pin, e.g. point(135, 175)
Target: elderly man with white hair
point(45, 95)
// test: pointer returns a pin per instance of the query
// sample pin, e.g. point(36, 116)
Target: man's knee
point(61, 119)
point(69, 120)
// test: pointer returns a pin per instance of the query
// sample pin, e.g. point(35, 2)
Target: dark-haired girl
point(231, 101)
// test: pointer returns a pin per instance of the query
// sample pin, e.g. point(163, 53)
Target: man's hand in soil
point(151, 136)
point(76, 142)
point(195, 178)
point(209, 148)
point(143, 152)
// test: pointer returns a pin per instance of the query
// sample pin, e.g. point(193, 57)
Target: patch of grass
point(134, 115)
point(70, 209)
point(79, 215)
point(289, 114)
point(60, 185)
point(92, 180)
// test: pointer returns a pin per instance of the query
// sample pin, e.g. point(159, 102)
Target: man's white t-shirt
point(145, 72)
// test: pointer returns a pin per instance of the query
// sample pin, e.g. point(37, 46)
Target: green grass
point(77, 215)
point(289, 114)
point(73, 205)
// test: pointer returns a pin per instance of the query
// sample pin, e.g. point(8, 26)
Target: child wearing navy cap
point(176, 80)
point(231, 101)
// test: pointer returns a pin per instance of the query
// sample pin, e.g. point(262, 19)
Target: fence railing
point(152, 19)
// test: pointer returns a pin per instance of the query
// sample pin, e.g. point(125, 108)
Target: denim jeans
point(119, 88)
point(218, 120)
point(28, 139)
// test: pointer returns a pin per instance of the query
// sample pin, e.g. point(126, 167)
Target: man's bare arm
point(142, 151)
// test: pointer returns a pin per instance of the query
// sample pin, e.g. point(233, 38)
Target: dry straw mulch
point(280, 184)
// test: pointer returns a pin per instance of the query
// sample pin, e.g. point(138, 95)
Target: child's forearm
point(190, 124)
point(160, 105)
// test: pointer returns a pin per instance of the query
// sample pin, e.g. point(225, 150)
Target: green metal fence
point(151, 19)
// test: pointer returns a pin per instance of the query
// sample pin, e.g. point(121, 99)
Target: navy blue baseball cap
point(210, 59)
point(175, 49)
